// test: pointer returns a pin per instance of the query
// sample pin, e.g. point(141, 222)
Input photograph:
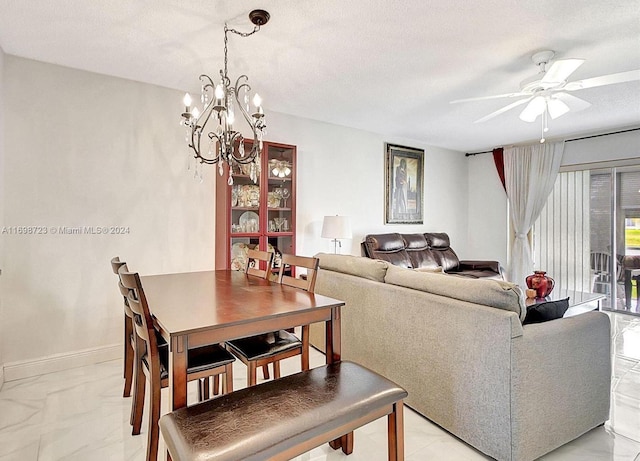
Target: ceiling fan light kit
point(546, 93)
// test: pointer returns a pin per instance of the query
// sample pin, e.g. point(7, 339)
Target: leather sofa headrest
point(437, 240)
point(415, 241)
point(385, 242)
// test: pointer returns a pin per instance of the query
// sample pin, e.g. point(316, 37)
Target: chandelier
point(210, 132)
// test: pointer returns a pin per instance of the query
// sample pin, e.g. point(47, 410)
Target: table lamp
point(336, 227)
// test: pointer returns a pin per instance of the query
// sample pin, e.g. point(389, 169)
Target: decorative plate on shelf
point(239, 256)
point(249, 222)
point(248, 195)
point(273, 200)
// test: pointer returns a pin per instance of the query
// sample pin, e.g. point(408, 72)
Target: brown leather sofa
point(427, 251)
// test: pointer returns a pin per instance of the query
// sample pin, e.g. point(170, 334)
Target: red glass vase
point(542, 283)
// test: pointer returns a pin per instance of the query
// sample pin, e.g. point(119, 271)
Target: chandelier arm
point(196, 133)
point(239, 86)
point(210, 83)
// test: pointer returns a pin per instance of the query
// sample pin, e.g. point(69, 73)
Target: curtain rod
point(471, 154)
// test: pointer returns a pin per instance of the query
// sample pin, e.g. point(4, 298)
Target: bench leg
point(395, 432)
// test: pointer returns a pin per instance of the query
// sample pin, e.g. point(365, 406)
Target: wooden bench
point(284, 418)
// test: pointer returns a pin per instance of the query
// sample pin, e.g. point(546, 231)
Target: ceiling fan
point(548, 92)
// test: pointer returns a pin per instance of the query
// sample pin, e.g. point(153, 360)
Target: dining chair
point(261, 350)
point(129, 341)
point(130, 344)
point(256, 260)
point(153, 362)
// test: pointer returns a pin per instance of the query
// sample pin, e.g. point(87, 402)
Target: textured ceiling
point(389, 67)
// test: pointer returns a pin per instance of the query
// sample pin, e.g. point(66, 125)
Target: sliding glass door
point(588, 235)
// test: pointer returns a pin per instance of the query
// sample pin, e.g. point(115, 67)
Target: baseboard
point(59, 362)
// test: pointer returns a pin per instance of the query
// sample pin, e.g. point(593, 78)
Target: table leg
point(178, 373)
point(627, 289)
point(333, 342)
point(334, 354)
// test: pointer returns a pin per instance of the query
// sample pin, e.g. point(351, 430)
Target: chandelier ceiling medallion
point(215, 123)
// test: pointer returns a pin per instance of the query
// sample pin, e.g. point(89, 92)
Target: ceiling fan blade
point(497, 96)
point(609, 79)
point(572, 101)
point(561, 69)
point(557, 108)
point(503, 110)
point(536, 107)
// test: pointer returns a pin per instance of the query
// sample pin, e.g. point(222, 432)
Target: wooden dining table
point(194, 309)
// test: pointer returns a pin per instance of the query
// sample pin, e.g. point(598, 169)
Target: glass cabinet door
point(280, 201)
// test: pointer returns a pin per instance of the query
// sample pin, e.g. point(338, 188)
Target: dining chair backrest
point(254, 258)
point(142, 321)
point(116, 264)
point(311, 264)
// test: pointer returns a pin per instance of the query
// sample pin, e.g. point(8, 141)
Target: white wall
point(487, 211)
point(341, 171)
point(620, 146)
point(84, 149)
point(2, 238)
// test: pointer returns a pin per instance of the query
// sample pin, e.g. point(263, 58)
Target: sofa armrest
point(481, 265)
point(561, 381)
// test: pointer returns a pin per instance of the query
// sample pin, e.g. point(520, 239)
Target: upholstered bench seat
point(284, 418)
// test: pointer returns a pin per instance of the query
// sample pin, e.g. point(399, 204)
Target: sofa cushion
point(387, 247)
point(438, 239)
point(493, 293)
point(372, 269)
point(417, 248)
point(433, 270)
point(478, 274)
point(442, 252)
point(543, 312)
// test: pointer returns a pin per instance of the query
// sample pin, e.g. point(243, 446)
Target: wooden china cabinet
point(259, 214)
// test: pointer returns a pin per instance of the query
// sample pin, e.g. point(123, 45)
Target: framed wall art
point(404, 177)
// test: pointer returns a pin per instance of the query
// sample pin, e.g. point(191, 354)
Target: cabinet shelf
point(245, 208)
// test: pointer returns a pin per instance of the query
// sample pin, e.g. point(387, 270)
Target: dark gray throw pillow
point(542, 312)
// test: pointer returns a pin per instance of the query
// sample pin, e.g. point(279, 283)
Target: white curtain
point(530, 173)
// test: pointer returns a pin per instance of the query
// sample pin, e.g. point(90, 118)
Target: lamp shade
point(336, 227)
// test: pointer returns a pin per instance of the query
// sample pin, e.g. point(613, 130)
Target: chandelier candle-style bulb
point(221, 143)
point(219, 95)
point(257, 102)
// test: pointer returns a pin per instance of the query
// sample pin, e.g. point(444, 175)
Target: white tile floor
point(80, 415)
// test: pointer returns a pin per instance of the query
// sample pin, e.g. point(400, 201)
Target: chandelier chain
point(226, 40)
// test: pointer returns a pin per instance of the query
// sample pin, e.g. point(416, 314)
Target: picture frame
point(404, 178)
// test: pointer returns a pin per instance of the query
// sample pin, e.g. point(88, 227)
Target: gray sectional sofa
point(459, 348)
